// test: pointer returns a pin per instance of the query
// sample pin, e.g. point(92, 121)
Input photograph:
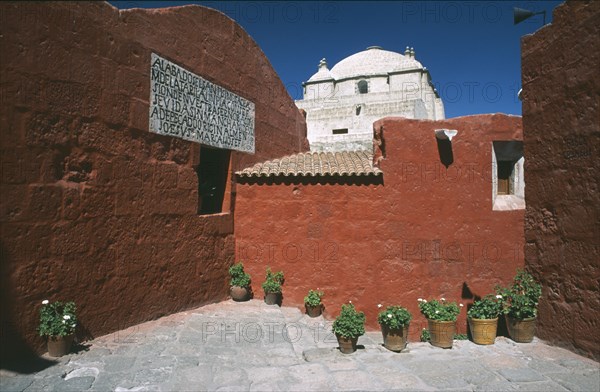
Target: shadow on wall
point(445, 151)
point(15, 354)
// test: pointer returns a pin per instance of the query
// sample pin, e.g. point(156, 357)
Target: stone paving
point(252, 346)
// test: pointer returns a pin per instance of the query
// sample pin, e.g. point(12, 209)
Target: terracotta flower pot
point(521, 331)
point(60, 345)
point(347, 345)
point(240, 294)
point(483, 331)
point(313, 311)
point(441, 333)
point(394, 339)
point(273, 298)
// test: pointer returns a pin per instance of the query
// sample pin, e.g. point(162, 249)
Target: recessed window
point(341, 131)
point(506, 177)
point(508, 182)
point(213, 172)
point(363, 87)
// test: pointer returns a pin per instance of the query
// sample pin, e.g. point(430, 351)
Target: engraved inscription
point(187, 106)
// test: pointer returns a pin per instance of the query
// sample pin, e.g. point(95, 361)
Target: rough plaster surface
point(561, 108)
point(94, 208)
point(422, 231)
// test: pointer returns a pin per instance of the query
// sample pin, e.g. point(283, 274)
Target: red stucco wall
point(425, 231)
point(94, 208)
point(561, 120)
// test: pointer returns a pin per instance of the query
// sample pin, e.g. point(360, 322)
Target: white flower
point(442, 299)
point(499, 296)
point(349, 301)
point(389, 315)
point(420, 300)
point(461, 305)
point(45, 302)
point(425, 300)
point(67, 317)
point(64, 322)
point(437, 311)
point(379, 305)
point(73, 326)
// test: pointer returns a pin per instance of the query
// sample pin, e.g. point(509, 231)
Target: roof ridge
point(315, 163)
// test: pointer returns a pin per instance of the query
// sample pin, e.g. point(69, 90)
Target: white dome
point(322, 74)
point(372, 61)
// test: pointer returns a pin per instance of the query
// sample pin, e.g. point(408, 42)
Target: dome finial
point(407, 51)
point(323, 63)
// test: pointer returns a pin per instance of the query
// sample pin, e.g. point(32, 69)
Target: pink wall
point(425, 231)
point(95, 208)
point(561, 112)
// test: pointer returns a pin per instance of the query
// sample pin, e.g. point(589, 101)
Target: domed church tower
point(342, 103)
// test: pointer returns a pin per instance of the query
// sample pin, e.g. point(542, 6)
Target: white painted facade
point(341, 104)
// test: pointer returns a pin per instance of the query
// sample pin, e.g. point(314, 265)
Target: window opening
point(212, 173)
point(363, 87)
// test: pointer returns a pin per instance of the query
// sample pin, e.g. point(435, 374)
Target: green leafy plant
point(460, 336)
point(57, 319)
point(273, 282)
point(439, 310)
point(238, 276)
point(350, 323)
point(487, 308)
point(520, 299)
point(313, 298)
point(394, 317)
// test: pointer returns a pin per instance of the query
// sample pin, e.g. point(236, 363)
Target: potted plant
point(58, 322)
point(441, 319)
point(240, 283)
point(347, 327)
point(520, 301)
point(272, 287)
point(313, 304)
point(394, 322)
point(483, 319)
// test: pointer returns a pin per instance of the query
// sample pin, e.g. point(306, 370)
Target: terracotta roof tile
point(344, 163)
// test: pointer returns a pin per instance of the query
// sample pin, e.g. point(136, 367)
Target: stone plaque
point(187, 106)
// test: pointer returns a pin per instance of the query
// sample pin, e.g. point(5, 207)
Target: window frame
point(508, 155)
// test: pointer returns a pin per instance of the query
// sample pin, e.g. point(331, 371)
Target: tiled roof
point(345, 163)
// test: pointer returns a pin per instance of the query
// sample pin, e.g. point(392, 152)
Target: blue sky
point(471, 48)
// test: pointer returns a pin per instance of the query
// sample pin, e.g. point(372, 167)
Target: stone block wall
point(420, 231)
point(95, 208)
point(561, 126)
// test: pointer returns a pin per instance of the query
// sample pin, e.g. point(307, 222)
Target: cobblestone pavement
point(252, 346)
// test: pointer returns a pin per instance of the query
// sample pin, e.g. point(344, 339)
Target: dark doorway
point(212, 172)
